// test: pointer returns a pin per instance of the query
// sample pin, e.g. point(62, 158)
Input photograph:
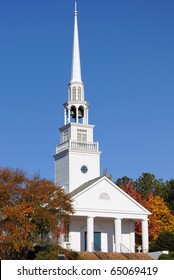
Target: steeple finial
point(76, 67)
point(75, 10)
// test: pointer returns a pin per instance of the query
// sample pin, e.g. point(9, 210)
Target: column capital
point(118, 218)
point(145, 219)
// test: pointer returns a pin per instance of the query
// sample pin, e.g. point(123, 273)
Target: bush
point(164, 241)
point(72, 255)
point(170, 256)
point(51, 252)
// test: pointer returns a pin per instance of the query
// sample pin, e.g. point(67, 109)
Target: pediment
point(101, 194)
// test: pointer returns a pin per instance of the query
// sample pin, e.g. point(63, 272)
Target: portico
point(105, 234)
point(103, 215)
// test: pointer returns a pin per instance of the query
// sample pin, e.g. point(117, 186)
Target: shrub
point(72, 255)
point(170, 256)
point(164, 241)
point(51, 252)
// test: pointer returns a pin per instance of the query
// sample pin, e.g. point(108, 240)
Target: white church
point(104, 215)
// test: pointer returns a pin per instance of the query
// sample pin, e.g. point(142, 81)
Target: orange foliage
point(160, 219)
point(160, 213)
point(28, 209)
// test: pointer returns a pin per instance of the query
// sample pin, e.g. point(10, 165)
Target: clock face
point(84, 169)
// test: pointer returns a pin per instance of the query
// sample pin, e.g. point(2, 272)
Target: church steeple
point(77, 158)
point(76, 67)
point(76, 109)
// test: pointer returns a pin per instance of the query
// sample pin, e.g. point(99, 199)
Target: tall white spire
point(76, 67)
point(77, 158)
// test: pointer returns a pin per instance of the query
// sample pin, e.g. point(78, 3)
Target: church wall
point(128, 237)
point(75, 235)
point(62, 171)
point(90, 134)
point(107, 236)
point(77, 160)
point(88, 128)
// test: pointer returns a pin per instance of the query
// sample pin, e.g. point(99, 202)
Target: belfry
point(104, 215)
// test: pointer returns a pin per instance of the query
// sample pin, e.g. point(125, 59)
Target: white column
point(69, 117)
point(77, 114)
point(145, 241)
point(90, 234)
point(132, 236)
point(87, 116)
point(84, 117)
point(117, 226)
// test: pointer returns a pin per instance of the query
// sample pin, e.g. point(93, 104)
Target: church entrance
point(97, 241)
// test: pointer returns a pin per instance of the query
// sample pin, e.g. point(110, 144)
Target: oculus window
point(84, 169)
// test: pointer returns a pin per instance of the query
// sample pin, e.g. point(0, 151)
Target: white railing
point(88, 146)
point(62, 147)
point(84, 146)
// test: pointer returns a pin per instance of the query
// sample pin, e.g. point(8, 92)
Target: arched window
point(74, 93)
point(73, 112)
point(79, 93)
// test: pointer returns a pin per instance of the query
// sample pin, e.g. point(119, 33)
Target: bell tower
point(76, 109)
point(77, 158)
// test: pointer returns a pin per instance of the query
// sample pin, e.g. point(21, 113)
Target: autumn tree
point(155, 195)
point(123, 181)
point(147, 184)
point(161, 213)
point(154, 223)
point(130, 189)
point(30, 208)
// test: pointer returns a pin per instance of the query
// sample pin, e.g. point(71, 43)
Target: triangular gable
point(101, 194)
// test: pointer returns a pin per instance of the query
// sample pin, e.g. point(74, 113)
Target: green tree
point(147, 184)
point(169, 195)
point(123, 181)
point(164, 241)
point(29, 209)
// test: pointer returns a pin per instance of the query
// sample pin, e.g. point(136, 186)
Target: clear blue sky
point(127, 59)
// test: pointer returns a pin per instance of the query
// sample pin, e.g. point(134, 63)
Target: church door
point(97, 241)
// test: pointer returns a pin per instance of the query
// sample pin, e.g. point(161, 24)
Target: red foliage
point(28, 209)
point(154, 223)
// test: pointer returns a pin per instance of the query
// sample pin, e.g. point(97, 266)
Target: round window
point(84, 169)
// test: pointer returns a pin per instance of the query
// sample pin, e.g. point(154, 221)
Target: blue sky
point(127, 59)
